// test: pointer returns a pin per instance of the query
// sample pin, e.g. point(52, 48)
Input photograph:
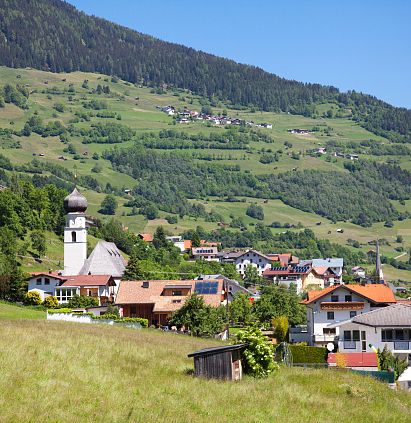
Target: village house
point(146, 237)
point(339, 303)
point(331, 267)
point(183, 244)
point(102, 287)
point(387, 326)
point(156, 300)
point(231, 287)
point(303, 278)
point(358, 272)
point(205, 253)
point(252, 258)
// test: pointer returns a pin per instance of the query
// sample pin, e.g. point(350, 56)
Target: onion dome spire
point(75, 202)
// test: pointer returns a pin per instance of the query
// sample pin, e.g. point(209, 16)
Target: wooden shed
point(219, 362)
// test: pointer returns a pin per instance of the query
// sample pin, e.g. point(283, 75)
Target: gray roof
point(393, 315)
point(105, 259)
point(330, 262)
point(228, 281)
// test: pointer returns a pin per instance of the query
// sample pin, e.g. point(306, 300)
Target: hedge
point(59, 310)
point(304, 354)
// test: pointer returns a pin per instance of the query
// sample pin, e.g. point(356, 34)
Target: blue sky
point(363, 45)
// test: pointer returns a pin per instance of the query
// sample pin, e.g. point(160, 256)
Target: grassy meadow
point(62, 372)
point(137, 107)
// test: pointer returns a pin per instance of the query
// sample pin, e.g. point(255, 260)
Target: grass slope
point(137, 107)
point(11, 311)
point(54, 371)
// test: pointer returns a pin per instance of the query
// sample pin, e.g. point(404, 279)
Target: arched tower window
point(73, 237)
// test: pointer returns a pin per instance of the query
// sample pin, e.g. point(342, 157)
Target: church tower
point(75, 233)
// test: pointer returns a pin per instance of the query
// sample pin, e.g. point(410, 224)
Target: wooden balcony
point(349, 305)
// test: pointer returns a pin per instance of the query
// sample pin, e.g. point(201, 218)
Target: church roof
point(75, 202)
point(105, 259)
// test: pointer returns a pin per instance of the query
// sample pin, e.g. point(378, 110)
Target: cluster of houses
point(355, 317)
point(187, 116)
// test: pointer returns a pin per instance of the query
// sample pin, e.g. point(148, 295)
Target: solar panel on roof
point(206, 288)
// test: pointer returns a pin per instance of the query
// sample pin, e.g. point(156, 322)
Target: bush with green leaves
point(82, 301)
point(305, 354)
point(387, 361)
point(59, 310)
point(258, 355)
point(50, 302)
point(32, 298)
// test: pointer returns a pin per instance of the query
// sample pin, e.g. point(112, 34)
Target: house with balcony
point(102, 287)
point(387, 326)
point(331, 268)
point(205, 253)
point(339, 303)
point(302, 278)
point(156, 300)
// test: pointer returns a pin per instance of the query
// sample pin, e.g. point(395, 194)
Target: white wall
point(43, 289)
point(253, 259)
point(75, 253)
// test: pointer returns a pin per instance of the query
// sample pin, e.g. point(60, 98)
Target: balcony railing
point(402, 345)
point(325, 338)
point(350, 345)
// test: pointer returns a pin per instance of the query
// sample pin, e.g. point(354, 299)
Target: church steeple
point(378, 269)
point(75, 233)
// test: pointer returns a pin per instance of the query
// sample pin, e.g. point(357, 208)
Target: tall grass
point(62, 372)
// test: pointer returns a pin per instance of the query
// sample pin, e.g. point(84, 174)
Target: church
point(97, 275)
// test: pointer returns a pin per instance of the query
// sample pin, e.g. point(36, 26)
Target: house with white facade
point(205, 253)
point(339, 303)
point(253, 258)
point(102, 287)
point(387, 326)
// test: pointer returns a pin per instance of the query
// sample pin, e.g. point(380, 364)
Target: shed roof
point(87, 280)
point(217, 350)
point(355, 359)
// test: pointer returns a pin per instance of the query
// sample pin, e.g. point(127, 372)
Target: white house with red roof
point(102, 287)
point(339, 303)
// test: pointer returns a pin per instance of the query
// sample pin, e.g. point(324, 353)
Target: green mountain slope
point(81, 42)
point(200, 173)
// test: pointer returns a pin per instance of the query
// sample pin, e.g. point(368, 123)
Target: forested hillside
point(52, 35)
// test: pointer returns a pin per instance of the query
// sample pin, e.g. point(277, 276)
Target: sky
point(363, 45)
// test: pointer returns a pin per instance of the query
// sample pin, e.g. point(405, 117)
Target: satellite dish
point(330, 347)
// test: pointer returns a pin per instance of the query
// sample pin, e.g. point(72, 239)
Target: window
point(146, 284)
point(347, 335)
point(355, 335)
point(65, 294)
point(348, 298)
point(176, 293)
point(399, 334)
point(386, 335)
point(176, 301)
point(38, 281)
point(330, 315)
point(73, 237)
point(46, 281)
point(334, 298)
point(352, 314)
point(133, 311)
point(259, 260)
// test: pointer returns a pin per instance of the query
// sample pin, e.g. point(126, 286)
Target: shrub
point(143, 322)
point(59, 310)
point(255, 211)
point(50, 302)
point(32, 298)
point(303, 354)
point(106, 316)
point(82, 301)
point(280, 325)
point(258, 356)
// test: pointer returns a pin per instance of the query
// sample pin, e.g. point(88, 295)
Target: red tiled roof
point(355, 359)
point(132, 292)
point(87, 280)
point(51, 274)
point(187, 244)
point(146, 237)
point(378, 293)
